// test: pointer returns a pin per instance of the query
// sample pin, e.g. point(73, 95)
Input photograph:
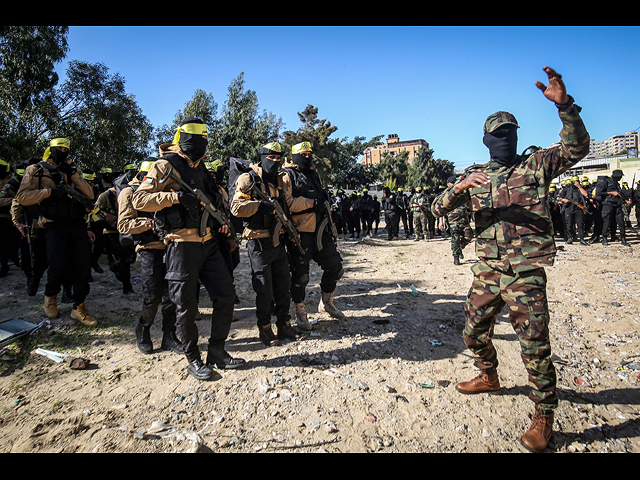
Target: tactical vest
point(306, 185)
point(62, 209)
point(177, 216)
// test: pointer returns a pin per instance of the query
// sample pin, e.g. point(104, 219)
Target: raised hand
point(555, 91)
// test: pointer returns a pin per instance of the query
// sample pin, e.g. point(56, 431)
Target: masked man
point(65, 226)
point(508, 198)
point(319, 245)
point(191, 254)
point(269, 264)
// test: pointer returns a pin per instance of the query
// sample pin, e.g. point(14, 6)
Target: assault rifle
point(88, 204)
point(283, 218)
point(209, 208)
point(326, 221)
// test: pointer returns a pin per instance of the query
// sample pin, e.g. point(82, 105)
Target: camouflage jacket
point(512, 218)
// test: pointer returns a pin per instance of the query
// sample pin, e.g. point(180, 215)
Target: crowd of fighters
point(179, 218)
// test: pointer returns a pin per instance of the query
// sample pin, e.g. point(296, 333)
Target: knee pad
point(302, 281)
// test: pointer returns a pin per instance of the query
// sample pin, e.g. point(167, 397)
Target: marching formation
point(177, 217)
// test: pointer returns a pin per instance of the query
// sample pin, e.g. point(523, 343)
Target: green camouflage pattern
point(512, 217)
point(498, 119)
point(525, 296)
point(460, 229)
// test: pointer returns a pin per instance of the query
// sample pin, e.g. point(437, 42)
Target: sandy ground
point(381, 381)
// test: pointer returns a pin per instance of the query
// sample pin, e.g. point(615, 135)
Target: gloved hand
point(58, 193)
point(188, 200)
point(318, 206)
point(67, 169)
point(265, 207)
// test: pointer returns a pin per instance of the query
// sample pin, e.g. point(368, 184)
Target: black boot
point(199, 370)
point(223, 361)
point(170, 342)
point(143, 338)
point(286, 331)
point(456, 260)
point(604, 241)
point(582, 242)
point(267, 337)
point(623, 240)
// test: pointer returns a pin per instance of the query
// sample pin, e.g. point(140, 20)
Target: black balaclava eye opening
point(502, 147)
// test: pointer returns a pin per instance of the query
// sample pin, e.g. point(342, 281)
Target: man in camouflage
point(508, 198)
point(460, 227)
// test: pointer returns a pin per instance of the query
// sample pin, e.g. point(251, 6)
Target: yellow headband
point(301, 147)
point(56, 142)
point(192, 128)
point(274, 146)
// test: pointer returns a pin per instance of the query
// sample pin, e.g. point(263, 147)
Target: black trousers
point(271, 280)
point(612, 214)
point(574, 216)
point(188, 262)
point(8, 242)
point(155, 291)
point(328, 258)
point(69, 258)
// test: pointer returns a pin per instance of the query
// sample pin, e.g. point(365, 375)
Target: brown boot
point(326, 305)
point(51, 306)
point(537, 437)
point(483, 383)
point(81, 314)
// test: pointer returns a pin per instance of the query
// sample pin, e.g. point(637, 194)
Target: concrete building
point(614, 145)
point(393, 146)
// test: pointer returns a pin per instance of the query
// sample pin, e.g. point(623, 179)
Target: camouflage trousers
point(525, 294)
point(461, 236)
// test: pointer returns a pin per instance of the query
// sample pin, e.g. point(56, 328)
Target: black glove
point(188, 200)
point(265, 207)
point(67, 169)
point(58, 193)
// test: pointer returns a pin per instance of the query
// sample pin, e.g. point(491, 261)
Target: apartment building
point(614, 145)
point(393, 146)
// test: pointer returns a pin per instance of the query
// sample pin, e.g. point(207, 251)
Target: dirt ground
point(381, 381)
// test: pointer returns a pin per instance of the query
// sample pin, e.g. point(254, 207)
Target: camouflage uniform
point(420, 223)
point(514, 244)
point(460, 228)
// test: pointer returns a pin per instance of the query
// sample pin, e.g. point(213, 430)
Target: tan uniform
point(153, 196)
point(245, 205)
point(130, 223)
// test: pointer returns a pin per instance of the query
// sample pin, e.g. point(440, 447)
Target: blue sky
point(434, 83)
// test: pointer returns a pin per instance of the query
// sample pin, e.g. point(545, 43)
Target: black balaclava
point(58, 156)
point(194, 146)
point(502, 146)
point(269, 167)
point(303, 163)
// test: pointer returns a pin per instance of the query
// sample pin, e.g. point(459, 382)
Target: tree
point(242, 128)
point(349, 173)
point(28, 55)
point(425, 171)
point(203, 106)
point(395, 167)
point(316, 131)
point(104, 123)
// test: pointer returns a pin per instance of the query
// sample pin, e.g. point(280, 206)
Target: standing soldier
point(65, 227)
point(138, 228)
point(419, 217)
point(508, 197)
point(366, 206)
point(191, 254)
point(391, 213)
point(403, 205)
point(461, 232)
point(612, 208)
point(271, 278)
point(574, 198)
point(318, 243)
